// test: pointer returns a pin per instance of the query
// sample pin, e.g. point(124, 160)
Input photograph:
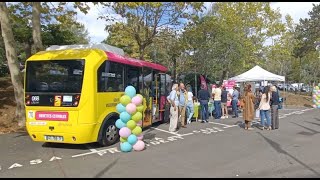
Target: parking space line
point(225, 125)
point(166, 131)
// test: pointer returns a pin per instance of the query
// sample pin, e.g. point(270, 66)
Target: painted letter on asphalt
point(15, 165)
point(36, 161)
point(54, 158)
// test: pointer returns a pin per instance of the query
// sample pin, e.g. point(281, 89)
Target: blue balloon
point(120, 124)
point(130, 91)
point(120, 108)
point(125, 147)
point(125, 117)
point(132, 139)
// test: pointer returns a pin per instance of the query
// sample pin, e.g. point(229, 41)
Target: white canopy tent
point(257, 74)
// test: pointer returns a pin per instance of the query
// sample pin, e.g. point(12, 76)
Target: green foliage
point(145, 19)
point(57, 34)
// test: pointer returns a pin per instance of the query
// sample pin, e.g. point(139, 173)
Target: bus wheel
point(110, 133)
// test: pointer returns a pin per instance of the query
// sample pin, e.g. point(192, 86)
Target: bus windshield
point(63, 76)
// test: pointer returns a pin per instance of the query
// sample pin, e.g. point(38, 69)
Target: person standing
point(190, 110)
point(203, 97)
point(248, 107)
point(234, 101)
point(224, 100)
point(183, 98)
point(264, 108)
point(274, 108)
point(174, 102)
point(217, 102)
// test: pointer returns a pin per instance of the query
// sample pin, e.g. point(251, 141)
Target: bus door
point(162, 95)
point(156, 97)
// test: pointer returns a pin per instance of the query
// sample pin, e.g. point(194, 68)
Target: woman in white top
point(264, 108)
point(174, 101)
point(190, 110)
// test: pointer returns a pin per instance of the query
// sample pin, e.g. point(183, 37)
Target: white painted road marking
point(103, 151)
point(225, 125)
point(166, 131)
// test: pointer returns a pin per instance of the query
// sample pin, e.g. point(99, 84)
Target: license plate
point(53, 138)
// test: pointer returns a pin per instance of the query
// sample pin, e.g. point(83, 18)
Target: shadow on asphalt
point(148, 134)
point(106, 169)
point(313, 132)
point(67, 146)
point(317, 119)
point(21, 134)
point(276, 146)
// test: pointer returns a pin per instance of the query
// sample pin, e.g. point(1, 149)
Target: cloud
point(96, 27)
point(296, 10)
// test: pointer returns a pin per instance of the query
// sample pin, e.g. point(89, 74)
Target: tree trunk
point(223, 75)
point(13, 64)
point(174, 69)
point(36, 26)
point(27, 49)
point(141, 52)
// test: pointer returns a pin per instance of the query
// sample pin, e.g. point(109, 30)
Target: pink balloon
point(125, 132)
point(318, 101)
point(139, 123)
point(314, 96)
point(140, 137)
point(131, 108)
point(314, 106)
point(139, 146)
point(137, 100)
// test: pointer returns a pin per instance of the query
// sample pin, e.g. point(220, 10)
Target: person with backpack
point(264, 108)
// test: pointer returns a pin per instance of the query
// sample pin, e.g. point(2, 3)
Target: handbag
point(257, 113)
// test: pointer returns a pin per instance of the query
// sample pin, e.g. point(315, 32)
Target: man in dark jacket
point(274, 108)
point(203, 97)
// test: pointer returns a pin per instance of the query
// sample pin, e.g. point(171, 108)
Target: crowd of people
point(263, 104)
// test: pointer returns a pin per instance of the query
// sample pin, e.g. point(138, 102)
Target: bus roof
point(134, 62)
point(86, 52)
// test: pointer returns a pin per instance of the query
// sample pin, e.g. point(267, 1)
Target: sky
point(97, 33)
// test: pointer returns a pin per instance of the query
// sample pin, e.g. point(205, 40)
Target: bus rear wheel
point(110, 133)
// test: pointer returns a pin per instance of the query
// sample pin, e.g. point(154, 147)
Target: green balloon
point(125, 99)
point(137, 131)
point(140, 108)
point(140, 96)
point(123, 139)
point(131, 124)
point(137, 116)
point(317, 87)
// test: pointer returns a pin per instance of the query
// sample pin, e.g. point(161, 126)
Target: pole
point(195, 83)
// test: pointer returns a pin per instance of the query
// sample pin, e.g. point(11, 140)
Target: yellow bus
point(71, 93)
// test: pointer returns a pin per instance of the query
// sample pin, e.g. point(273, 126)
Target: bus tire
point(109, 133)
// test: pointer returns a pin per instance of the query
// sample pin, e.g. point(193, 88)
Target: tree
point(36, 26)
point(307, 32)
point(11, 55)
point(145, 19)
point(280, 54)
point(58, 34)
point(231, 37)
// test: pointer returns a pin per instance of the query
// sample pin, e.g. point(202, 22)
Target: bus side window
point(133, 77)
point(110, 77)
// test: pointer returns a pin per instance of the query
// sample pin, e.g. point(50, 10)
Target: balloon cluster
point(316, 96)
point(130, 122)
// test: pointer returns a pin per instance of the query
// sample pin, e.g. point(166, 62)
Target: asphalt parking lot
point(215, 149)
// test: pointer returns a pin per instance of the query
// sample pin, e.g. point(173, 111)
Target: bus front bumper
point(84, 134)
